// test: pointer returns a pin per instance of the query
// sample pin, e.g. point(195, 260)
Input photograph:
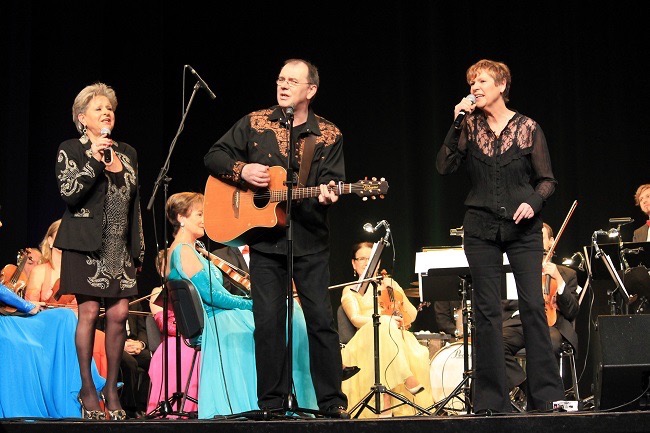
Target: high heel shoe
point(90, 414)
point(416, 389)
point(114, 415)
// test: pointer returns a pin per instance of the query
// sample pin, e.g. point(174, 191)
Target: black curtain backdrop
point(391, 73)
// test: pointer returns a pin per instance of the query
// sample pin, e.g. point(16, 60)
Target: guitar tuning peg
point(374, 179)
point(374, 198)
point(365, 178)
point(381, 196)
point(383, 179)
point(364, 198)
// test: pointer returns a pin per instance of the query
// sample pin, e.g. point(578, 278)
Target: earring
point(182, 224)
point(50, 246)
point(354, 273)
point(84, 137)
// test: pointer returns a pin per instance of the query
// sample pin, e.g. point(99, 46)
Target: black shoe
point(348, 372)
point(336, 411)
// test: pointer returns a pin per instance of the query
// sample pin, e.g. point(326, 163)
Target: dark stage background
point(391, 73)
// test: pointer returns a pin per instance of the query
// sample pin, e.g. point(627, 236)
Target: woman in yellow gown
point(403, 361)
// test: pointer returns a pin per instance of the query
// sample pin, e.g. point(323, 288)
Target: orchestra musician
point(44, 278)
point(642, 199)
point(228, 376)
point(40, 374)
point(404, 362)
point(566, 306)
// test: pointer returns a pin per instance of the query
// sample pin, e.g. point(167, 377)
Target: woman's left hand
point(524, 211)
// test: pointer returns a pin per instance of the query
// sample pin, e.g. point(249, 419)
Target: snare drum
point(434, 341)
point(446, 372)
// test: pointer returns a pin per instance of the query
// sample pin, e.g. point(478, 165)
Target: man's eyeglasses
point(291, 82)
point(362, 259)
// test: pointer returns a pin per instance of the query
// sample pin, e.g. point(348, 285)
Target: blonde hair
point(44, 246)
point(85, 96)
point(639, 191)
point(497, 70)
point(181, 203)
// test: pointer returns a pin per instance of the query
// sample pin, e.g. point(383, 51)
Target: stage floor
point(574, 422)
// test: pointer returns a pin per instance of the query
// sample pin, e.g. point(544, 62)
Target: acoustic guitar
point(234, 216)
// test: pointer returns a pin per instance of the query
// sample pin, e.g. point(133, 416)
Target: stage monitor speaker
point(623, 366)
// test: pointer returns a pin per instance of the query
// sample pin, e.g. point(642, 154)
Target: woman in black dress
point(100, 236)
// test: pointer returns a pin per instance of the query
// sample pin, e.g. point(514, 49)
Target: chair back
point(187, 306)
point(345, 326)
point(153, 333)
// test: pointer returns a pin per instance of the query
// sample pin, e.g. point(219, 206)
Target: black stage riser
point(595, 422)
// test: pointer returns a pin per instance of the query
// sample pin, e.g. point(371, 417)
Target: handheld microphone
point(202, 83)
point(463, 113)
point(289, 111)
point(108, 152)
point(621, 221)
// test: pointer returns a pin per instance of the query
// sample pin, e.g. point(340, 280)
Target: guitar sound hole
point(261, 198)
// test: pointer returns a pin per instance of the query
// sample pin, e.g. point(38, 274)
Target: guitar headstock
point(372, 188)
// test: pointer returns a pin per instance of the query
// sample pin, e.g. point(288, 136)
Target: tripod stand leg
point(377, 391)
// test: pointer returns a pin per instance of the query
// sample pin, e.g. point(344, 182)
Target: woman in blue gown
point(228, 380)
point(39, 377)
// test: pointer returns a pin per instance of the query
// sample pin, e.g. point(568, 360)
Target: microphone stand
point(290, 403)
point(378, 388)
point(165, 407)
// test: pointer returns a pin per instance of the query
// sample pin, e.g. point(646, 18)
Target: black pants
point(269, 290)
point(485, 260)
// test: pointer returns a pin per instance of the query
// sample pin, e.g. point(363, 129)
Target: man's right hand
point(256, 175)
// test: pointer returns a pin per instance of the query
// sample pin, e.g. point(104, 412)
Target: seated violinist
point(44, 278)
point(404, 362)
point(565, 307)
point(40, 373)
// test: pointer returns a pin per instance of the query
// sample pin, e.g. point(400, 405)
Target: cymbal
point(413, 292)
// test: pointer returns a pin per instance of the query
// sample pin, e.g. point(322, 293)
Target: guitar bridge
point(236, 200)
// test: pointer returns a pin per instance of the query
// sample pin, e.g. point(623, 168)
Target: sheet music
point(452, 258)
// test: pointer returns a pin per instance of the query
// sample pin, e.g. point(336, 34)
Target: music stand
point(377, 389)
point(600, 253)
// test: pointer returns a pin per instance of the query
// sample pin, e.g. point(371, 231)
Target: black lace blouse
point(504, 171)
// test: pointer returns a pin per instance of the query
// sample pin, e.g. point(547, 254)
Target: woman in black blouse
point(510, 172)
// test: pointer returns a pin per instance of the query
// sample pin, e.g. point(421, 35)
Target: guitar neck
point(308, 192)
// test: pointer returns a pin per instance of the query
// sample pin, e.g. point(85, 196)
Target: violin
point(549, 285)
point(391, 302)
point(13, 276)
point(238, 276)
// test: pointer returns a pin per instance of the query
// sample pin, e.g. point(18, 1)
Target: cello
point(549, 285)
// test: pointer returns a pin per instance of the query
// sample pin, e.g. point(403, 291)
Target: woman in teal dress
point(228, 380)
point(39, 377)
